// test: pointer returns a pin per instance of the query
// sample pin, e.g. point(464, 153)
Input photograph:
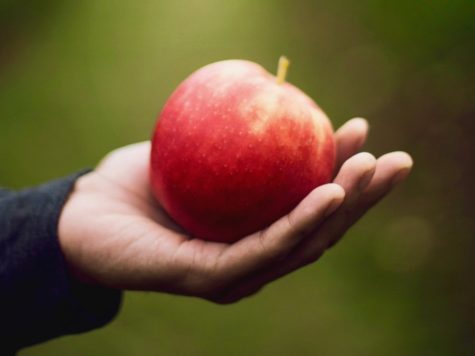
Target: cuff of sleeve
point(87, 307)
point(52, 303)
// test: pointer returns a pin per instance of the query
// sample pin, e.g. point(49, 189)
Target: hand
point(113, 233)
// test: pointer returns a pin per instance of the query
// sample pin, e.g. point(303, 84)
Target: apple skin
point(233, 151)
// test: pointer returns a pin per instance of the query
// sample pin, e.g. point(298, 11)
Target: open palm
point(114, 233)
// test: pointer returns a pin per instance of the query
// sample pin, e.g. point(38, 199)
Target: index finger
point(349, 139)
point(263, 248)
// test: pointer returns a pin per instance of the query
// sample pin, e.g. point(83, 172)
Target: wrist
point(67, 224)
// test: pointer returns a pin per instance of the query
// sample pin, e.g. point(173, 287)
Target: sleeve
point(39, 300)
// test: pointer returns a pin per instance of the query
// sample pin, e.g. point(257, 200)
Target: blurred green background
point(80, 78)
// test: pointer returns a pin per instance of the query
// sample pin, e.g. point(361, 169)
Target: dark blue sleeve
point(38, 298)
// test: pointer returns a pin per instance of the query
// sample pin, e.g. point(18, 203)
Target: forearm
point(38, 298)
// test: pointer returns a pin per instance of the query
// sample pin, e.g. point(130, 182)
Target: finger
point(392, 168)
point(349, 139)
point(262, 248)
point(389, 167)
point(121, 159)
point(128, 166)
point(353, 177)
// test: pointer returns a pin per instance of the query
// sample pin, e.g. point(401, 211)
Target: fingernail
point(363, 122)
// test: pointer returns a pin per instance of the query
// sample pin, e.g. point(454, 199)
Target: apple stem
point(282, 69)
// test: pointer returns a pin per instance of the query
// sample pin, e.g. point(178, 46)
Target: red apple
point(235, 148)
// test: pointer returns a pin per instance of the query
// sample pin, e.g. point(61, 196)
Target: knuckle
point(277, 248)
point(203, 286)
point(272, 252)
point(298, 231)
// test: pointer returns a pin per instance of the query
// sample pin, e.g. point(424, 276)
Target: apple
point(235, 148)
